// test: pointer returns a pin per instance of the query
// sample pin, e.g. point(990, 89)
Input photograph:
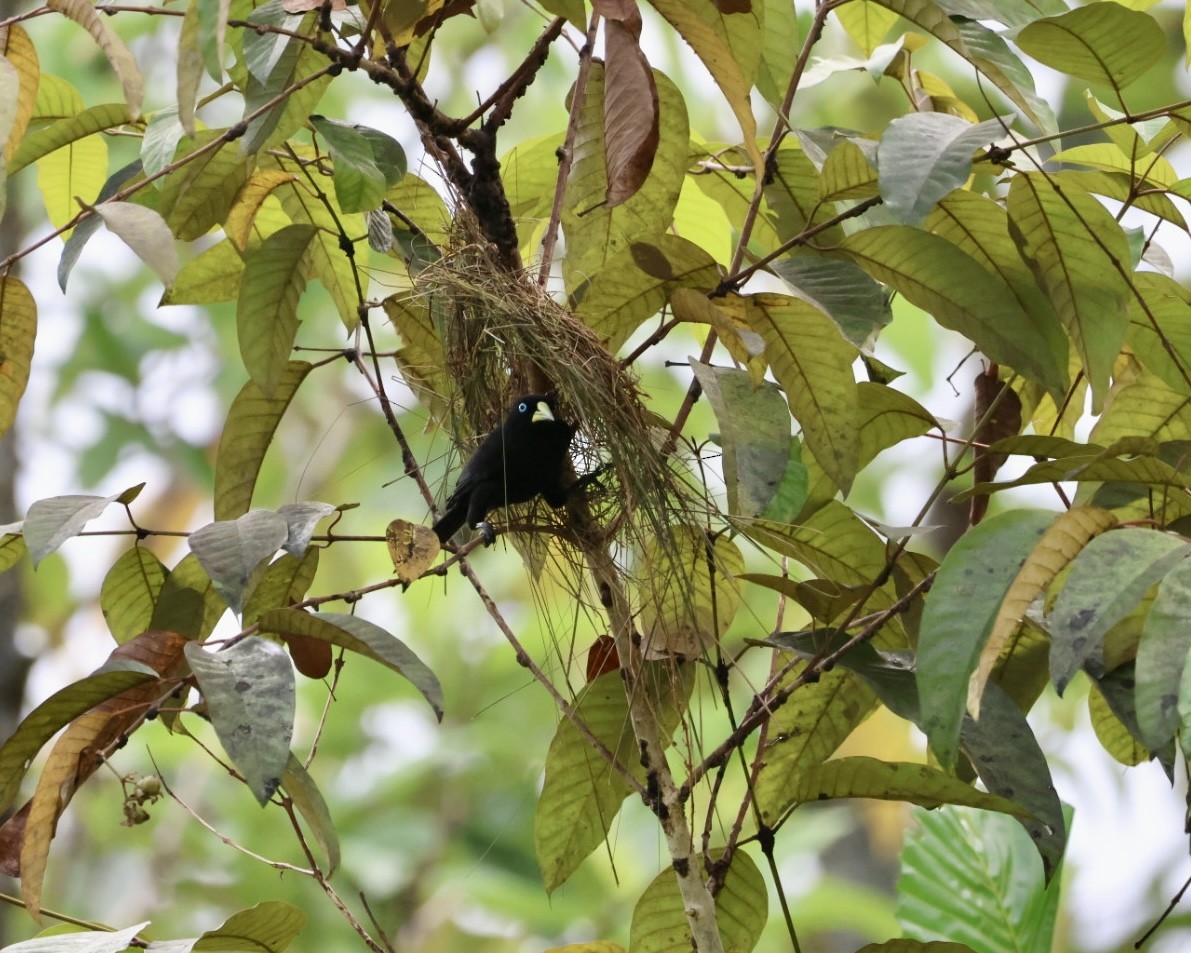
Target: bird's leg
point(486, 531)
point(588, 479)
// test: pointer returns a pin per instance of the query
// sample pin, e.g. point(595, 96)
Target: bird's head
point(534, 407)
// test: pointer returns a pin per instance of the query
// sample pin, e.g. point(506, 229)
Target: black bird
point(514, 464)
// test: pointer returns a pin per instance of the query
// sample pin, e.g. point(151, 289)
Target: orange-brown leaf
point(78, 754)
point(630, 113)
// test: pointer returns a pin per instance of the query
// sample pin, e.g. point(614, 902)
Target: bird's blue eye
point(523, 406)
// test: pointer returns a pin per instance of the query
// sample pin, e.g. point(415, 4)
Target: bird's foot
point(590, 479)
point(486, 531)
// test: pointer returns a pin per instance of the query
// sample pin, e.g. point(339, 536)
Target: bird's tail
point(450, 523)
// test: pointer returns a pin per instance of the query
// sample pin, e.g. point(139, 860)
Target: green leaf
point(813, 363)
point(635, 283)
point(582, 792)
point(957, 291)
point(294, 67)
point(1062, 542)
point(359, 183)
point(284, 581)
point(1162, 658)
point(742, 906)
point(804, 732)
point(231, 550)
point(188, 602)
point(885, 418)
point(62, 133)
point(834, 543)
point(190, 67)
point(1010, 762)
point(924, 156)
point(57, 711)
point(866, 23)
point(754, 433)
point(198, 196)
point(1078, 253)
point(275, 276)
point(268, 927)
point(212, 16)
point(329, 263)
point(130, 591)
point(971, 583)
point(972, 876)
point(987, 50)
point(360, 636)
point(215, 275)
point(77, 169)
point(1145, 407)
point(843, 292)
point(249, 691)
point(247, 433)
point(979, 227)
point(869, 778)
point(1101, 43)
point(309, 801)
point(18, 328)
point(993, 63)
point(688, 590)
point(779, 50)
point(12, 550)
point(1106, 580)
point(1160, 332)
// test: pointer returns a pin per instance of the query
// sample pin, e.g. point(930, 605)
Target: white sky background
point(1129, 823)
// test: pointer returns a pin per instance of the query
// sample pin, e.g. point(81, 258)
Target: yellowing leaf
point(18, 328)
point(729, 44)
point(242, 214)
point(74, 171)
point(411, 547)
point(84, 13)
point(18, 50)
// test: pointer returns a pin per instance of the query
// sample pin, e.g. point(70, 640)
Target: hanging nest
point(504, 336)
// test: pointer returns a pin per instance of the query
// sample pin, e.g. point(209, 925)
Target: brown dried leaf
point(77, 755)
point(1005, 421)
point(412, 549)
point(620, 11)
point(630, 113)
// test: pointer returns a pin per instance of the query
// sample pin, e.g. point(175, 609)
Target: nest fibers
point(503, 336)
